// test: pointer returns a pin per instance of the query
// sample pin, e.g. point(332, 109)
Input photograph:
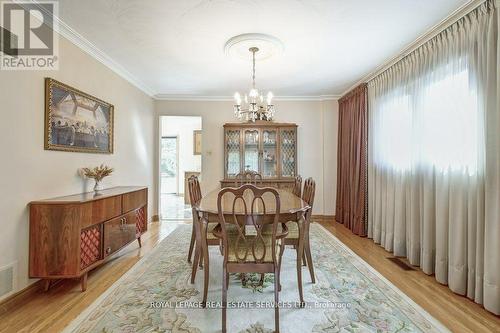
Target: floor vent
point(401, 264)
point(7, 280)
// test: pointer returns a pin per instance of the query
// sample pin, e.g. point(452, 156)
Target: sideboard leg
point(83, 280)
point(46, 285)
point(139, 240)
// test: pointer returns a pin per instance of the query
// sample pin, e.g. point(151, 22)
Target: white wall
point(28, 172)
point(317, 135)
point(182, 128)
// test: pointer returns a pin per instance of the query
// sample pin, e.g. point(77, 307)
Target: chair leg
point(224, 299)
point(195, 263)
point(261, 282)
point(191, 244)
point(304, 261)
point(276, 300)
point(206, 271)
point(198, 253)
point(282, 249)
point(300, 251)
point(309, 257)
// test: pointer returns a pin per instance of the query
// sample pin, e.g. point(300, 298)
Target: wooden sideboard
point(71, 235)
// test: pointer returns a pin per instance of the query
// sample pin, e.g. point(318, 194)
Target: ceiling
point(176, 47)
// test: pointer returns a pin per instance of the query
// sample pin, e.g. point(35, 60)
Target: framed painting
point(76, 121)
point(197, 142)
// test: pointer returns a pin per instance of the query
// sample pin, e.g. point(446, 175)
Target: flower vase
point(97, 187)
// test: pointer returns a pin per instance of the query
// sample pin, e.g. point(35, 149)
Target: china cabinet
point(266, 147)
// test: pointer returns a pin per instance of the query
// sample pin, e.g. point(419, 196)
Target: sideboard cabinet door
point(119, 232)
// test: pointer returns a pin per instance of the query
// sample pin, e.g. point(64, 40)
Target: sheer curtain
point(433, 186)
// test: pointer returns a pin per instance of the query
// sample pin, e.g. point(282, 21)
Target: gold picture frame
point(197, 142)
point(76, 121)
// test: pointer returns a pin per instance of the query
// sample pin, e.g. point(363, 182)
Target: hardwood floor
point(52, 311)
point(456, 312)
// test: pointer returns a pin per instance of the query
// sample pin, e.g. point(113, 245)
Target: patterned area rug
point(349, 296)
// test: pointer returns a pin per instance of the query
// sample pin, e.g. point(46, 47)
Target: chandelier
point(254, 107)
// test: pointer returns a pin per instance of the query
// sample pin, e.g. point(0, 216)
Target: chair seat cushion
point(211, 227)
point(263, 248)
point(293, 230)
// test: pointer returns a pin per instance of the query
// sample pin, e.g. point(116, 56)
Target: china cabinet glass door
point(251, 150)
point(233, 165)
point(288, 149)
point(269, 153)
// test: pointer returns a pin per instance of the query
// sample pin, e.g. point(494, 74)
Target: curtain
point(434, 157)
point(352, 158)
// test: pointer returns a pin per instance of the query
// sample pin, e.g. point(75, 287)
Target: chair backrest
point(248, 177)
point(245, 206)
point(308, 194)
point(194, 190)
point(297, 186)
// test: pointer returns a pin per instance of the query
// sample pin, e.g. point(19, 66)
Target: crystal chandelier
point(254, 107)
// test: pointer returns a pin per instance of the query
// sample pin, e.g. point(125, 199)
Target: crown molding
point(194, 98)
point(88, 47)
point(422, 39)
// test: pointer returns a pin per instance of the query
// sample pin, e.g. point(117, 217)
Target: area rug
point(349, 296)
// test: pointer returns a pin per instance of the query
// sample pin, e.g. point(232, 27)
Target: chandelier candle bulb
point(269, 98)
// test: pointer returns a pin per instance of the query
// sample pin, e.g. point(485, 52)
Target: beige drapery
point(441, 208)
point(352, 160)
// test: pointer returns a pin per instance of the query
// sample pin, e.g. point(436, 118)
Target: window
point(434, 123)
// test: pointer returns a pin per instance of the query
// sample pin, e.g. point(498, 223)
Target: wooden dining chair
point(297, 186)
point(255, 251)
point(201, 237)
point(293, 234)
point(248, 177)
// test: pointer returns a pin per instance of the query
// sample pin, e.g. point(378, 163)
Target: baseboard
point(20, 297)
point(155, 218)
point(324, 217)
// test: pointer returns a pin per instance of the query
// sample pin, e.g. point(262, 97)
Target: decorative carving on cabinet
point(140, 223)
point(90, 246)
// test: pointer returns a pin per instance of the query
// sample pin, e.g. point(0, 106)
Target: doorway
point(178, 160)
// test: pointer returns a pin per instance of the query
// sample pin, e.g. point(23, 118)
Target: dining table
point(292, 209)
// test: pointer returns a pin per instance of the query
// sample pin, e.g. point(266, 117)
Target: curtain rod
point(454, 17)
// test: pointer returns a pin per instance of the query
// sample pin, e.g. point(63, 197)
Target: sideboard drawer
point(134, 200)
point(105, 209)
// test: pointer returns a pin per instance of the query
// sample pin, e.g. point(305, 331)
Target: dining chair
point(201, 236)
point(297, 186)
point(293, 233)
point(245, 247)
point(248, 177)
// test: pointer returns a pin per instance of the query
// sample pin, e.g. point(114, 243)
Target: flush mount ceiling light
point(255, 47)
